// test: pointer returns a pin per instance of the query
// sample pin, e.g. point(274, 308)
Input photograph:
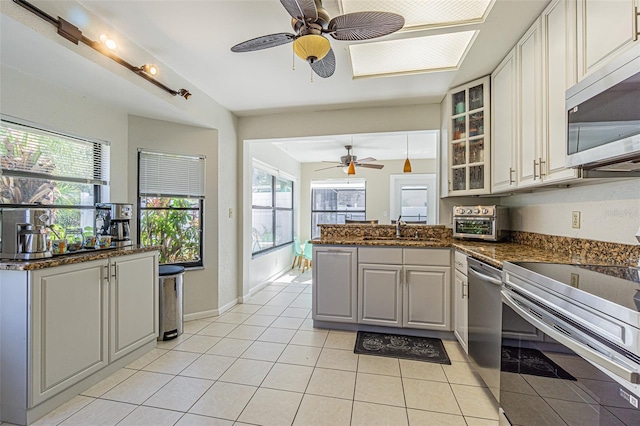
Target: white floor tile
point(277, 335)
point(138, 388)
point(233, 318)
point(264, 351)
point(309, 338)
point(147, 358)
point(245, 309)
point(217, 329)
point(285, 322)
point(179, 394)
point(379, 389)
point(338, 359)
point(198, 344)
point(192, 327)
point(367, 414)
point(63, 412)
point(340, 340)
point(270, 310)
point(260, 320)
point(209, 367)
point(246, 332)
point(333, 383)
point(288, 377)
point(247, 372)
point(300, 355)
point(224, 400)
point(296, 312)
point(422, 370)
point(196, 420)
point(323, 411)
point(430, 396)
point(172, 362)
point(105, 385)
point(230, 347)
point(419, 418)
point(476, 401)
point(144, 416)
point(100, 413)
point(379, 365)
point(270, 407)
point(172, 343)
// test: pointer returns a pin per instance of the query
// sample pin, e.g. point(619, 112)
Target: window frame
point(273, 208)
point(100, 181)
point(200, 209)
point(338, 188)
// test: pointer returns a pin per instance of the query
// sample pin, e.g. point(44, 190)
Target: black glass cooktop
point(617, 284)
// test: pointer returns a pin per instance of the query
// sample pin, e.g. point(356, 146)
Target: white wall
point(200, 285)
point(61, 109)
point(609, 211)
point(264, 266)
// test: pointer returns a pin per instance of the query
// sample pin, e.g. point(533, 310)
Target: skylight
point(443, 52)
point(426, 13)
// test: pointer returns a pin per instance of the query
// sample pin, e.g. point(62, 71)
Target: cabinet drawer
point(460, 262)
point(386, 255)
point(427, 257)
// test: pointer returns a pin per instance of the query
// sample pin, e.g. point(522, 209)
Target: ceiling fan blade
point(301, 9)
point(364, 25)
point(330, 167)
point(366, 160)
point(370, 166)
point(326, 66)
point(263, 42)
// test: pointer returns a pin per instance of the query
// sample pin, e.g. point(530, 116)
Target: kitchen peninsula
point(69, 322)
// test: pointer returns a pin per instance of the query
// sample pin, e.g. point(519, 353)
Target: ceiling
point(193, 39)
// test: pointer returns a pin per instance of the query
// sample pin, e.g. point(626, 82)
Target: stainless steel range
point(570, 349)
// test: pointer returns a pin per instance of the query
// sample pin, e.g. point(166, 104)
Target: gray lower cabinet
point(402, 287)
point(69, 326)
point(380, 294)
point(133, 291)
point(61, 324)
point(335, 284)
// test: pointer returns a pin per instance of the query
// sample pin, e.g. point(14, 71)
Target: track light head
point(184, 93)
point(108, 42)
point(150, 69)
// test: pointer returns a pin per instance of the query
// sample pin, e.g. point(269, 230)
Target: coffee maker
point(113, 219)
point(25, 233)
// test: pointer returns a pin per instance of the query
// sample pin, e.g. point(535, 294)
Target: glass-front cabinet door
point(469, 138)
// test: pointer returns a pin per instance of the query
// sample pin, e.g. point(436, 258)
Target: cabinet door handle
point(512, 172)
point(105, 273)
point(636, 31)
point(115, 271)
point(540, 165)
point(535, 163)
point(464, 292)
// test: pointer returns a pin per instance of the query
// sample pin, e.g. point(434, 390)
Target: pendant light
point(407, 163)
point(352, 169)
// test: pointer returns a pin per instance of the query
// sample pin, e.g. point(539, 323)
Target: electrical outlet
point(575, 220)
point(230, 213)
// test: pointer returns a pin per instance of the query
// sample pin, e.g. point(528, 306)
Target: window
point(271, 211)
point(414, 203)
point(336, 201)
point(171, 205)
point(415, 197)
point(63, 172)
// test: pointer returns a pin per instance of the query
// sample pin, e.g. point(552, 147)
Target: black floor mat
point(398, 346)
point(532, 362)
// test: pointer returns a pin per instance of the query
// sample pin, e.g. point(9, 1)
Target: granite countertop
point(493, 253)
point(71, 258)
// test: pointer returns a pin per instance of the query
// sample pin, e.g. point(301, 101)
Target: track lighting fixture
point(105, 45)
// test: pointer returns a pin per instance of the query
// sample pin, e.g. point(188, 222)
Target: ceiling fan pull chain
point(293, 60)
point(311, 75)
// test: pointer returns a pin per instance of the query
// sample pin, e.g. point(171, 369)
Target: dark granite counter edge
point(69, 259)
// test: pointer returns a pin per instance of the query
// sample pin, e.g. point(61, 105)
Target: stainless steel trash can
point(171, 301)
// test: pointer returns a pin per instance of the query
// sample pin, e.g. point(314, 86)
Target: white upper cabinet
point(503, 125)
point(604, 29)
point(529, 76)
point(559, 63)
point(469, 138)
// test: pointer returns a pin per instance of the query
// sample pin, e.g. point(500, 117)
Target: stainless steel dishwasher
point(485, 322)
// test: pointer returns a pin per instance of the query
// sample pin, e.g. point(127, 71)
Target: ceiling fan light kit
point(407, 163)
point(311, 47)
point(310, 21)
point(352, 169)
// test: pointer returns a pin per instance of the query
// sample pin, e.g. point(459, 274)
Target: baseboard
point(209, 313)
point(254, 290)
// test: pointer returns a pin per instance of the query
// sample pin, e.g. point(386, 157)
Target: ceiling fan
point(346, 160)
point(311, 21)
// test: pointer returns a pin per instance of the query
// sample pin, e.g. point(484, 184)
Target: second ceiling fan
point(349, 159)
point(311, 22)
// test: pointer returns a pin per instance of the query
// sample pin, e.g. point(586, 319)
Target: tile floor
point(263, 363)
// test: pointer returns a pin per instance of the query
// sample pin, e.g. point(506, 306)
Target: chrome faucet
point(399, 224)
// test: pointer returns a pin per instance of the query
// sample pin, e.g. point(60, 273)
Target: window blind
point(171, 175)
point(30, 152)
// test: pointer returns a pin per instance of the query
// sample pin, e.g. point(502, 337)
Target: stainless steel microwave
point(603, 117)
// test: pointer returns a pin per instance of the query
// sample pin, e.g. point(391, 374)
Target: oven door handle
point(483, 277)
point(585, 352)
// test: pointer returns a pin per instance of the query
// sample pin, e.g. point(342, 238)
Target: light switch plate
point(575, 220)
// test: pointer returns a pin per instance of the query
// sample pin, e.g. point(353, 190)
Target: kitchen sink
point(431, 240)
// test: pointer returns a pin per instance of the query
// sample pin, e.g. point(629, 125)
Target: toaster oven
point(489, 223)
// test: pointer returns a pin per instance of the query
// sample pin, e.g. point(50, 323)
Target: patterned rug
point(532, 362)
point(398, 346)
